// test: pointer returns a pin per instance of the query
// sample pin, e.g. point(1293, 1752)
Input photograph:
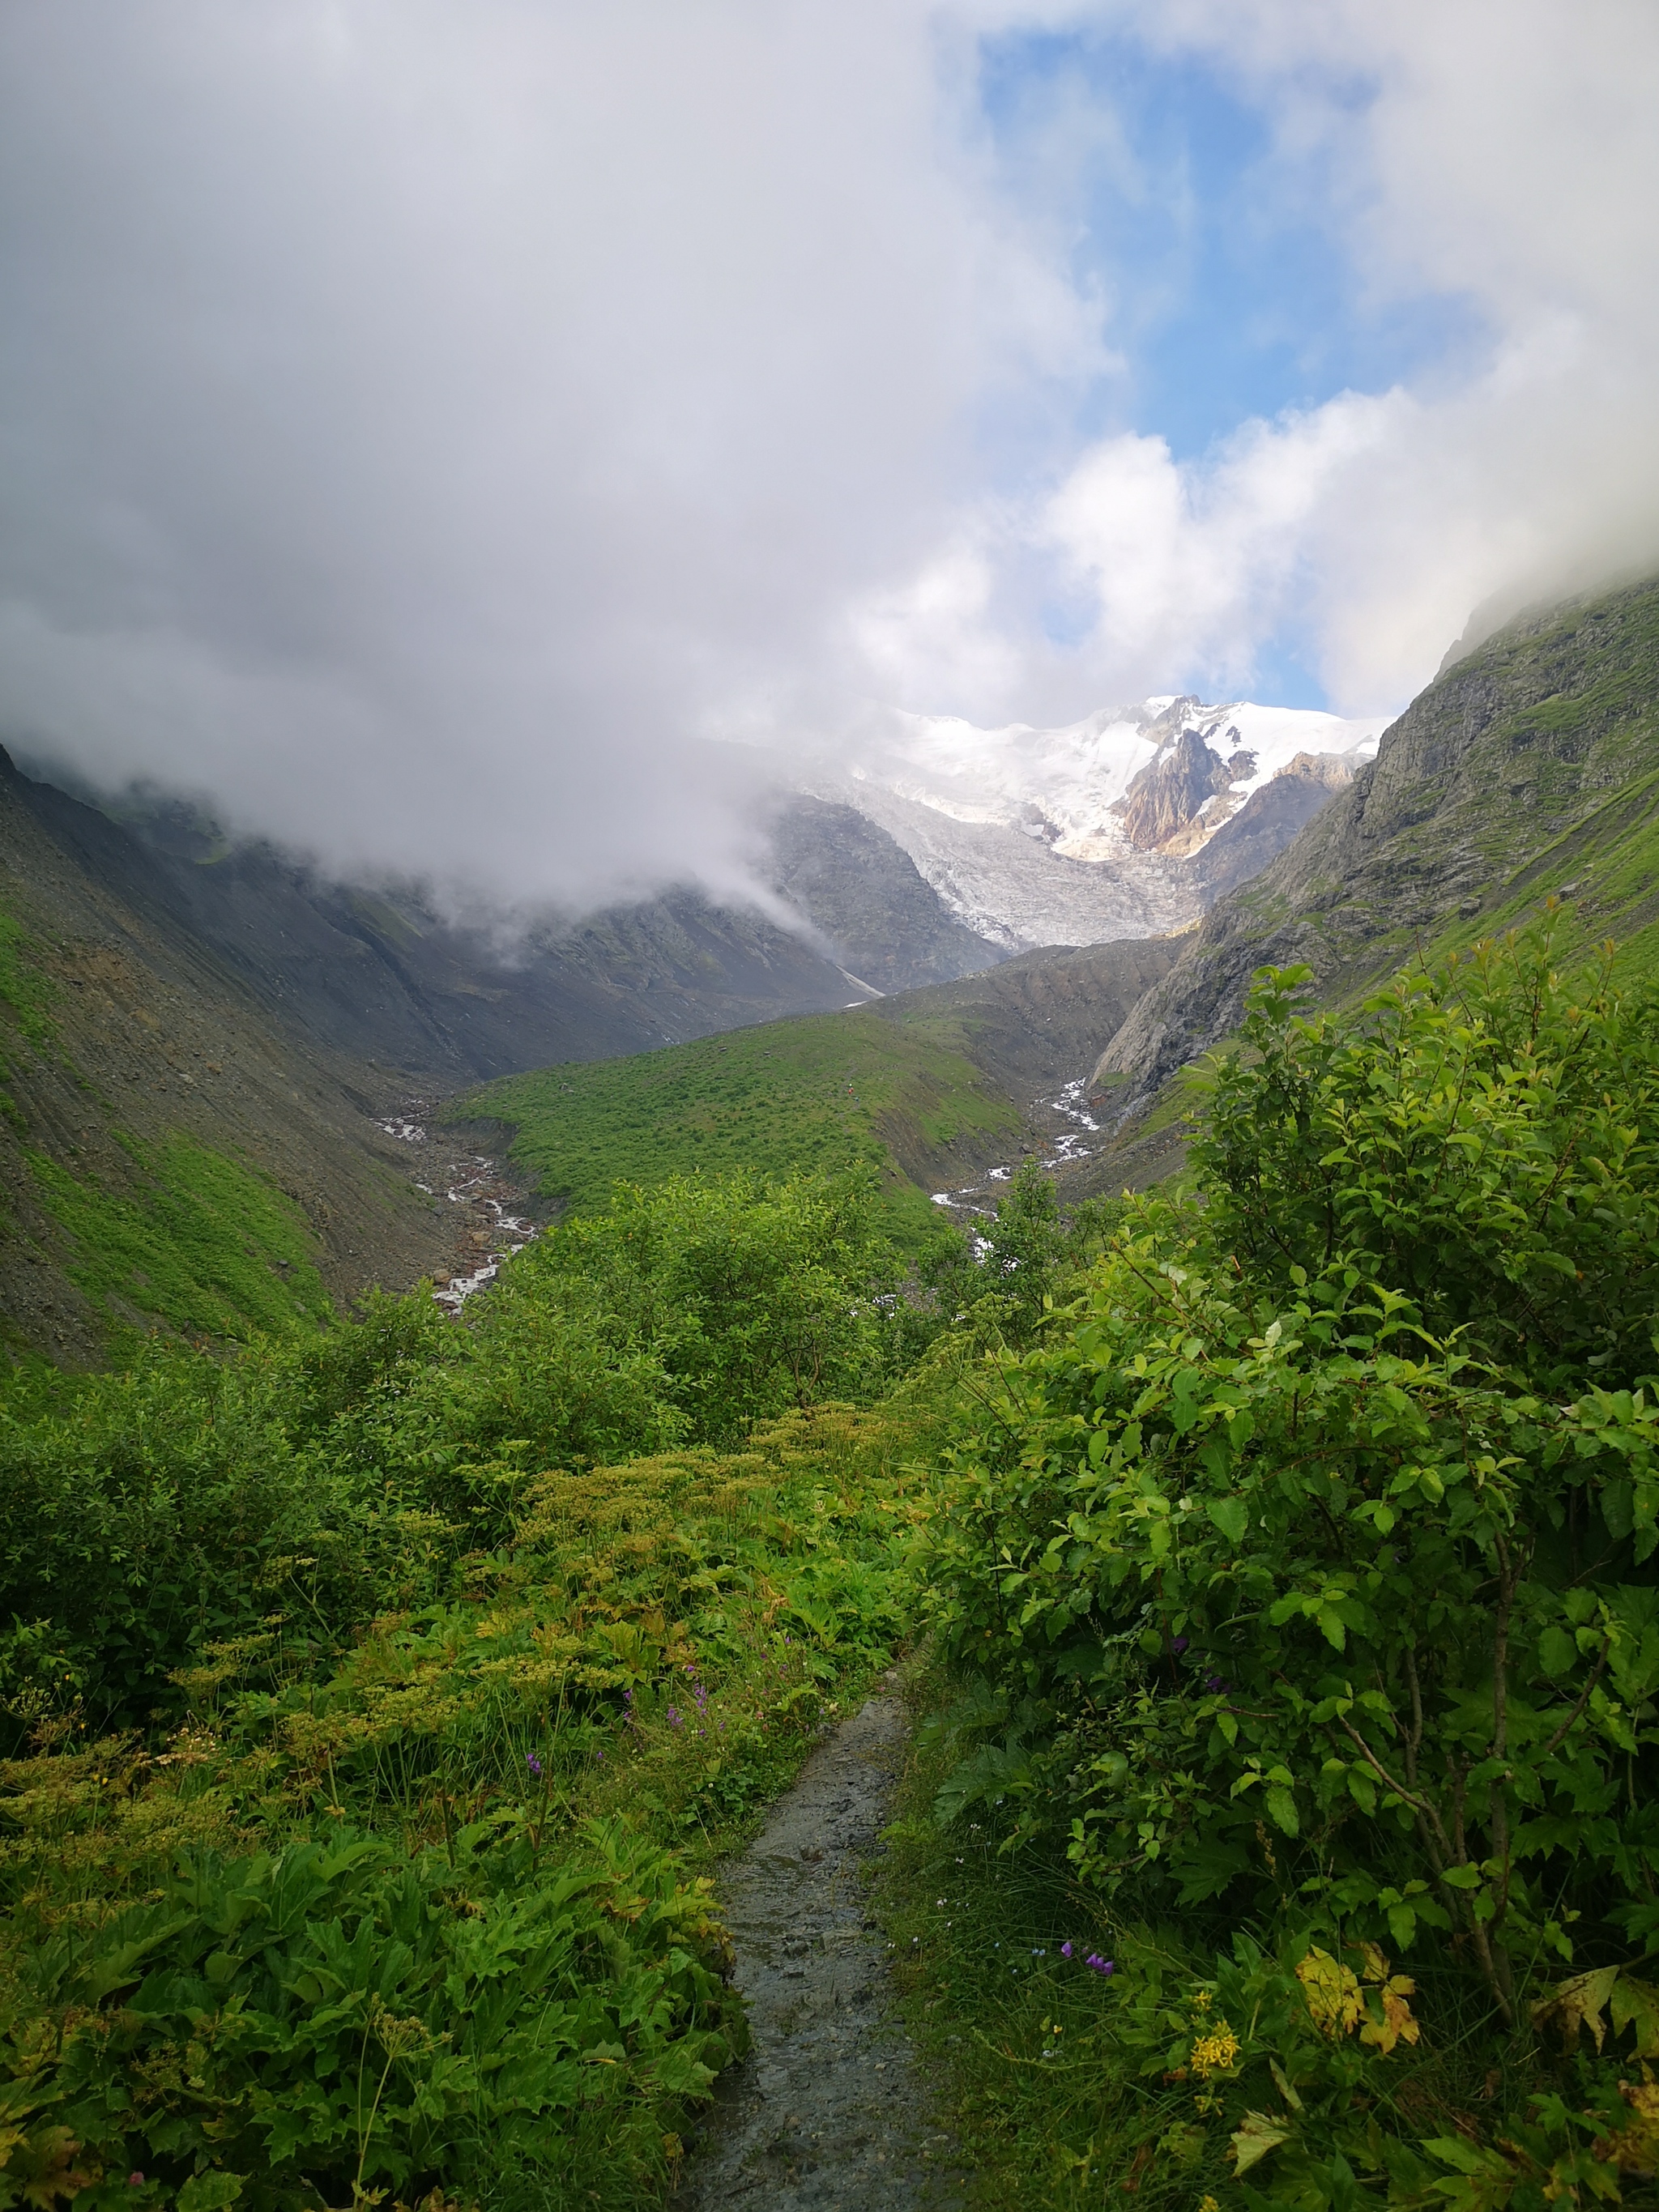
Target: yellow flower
point(1215, 2052)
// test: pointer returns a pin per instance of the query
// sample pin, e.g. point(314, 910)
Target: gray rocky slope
point(1511, 749)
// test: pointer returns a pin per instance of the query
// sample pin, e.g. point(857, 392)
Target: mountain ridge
point(1529, 768)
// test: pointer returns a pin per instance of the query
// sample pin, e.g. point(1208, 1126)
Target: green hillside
point(929, 1087)
point(1528, 770)
point(826, 1091)
point(1576, 754)
point(172, 1232)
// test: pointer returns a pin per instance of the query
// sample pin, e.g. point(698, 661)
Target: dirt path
point(830, 2111)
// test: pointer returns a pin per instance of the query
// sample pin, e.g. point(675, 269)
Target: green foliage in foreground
point(1305, 1583)
point(302, 2024)
point(826, 1093)
point(410, 1909)
point(374, 1695)
point(183, 1500)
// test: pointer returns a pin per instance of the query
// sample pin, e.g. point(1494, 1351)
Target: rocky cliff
point(863, 893)
point(1530, 765)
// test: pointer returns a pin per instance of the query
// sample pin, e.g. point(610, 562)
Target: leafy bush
point(296, 2027)
point(1307, 1574)
point(745, 1297)
point(1484, 1141)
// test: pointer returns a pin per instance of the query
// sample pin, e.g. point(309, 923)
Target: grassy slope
point(1559, 795)
point(1590, 753)
point(828, 1091)
point(194, 1240)
point(199, 1243)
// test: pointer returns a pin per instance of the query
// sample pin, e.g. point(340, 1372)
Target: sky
point(427, 427)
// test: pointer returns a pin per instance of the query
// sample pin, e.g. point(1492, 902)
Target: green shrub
point(1484, 1141)
point(313, 2025)
point(1305, 1576)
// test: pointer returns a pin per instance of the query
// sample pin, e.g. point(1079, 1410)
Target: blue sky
point(1232, 293)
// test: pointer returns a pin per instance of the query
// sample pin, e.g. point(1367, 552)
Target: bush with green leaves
point(319, 2023)
point(186, 1500)
point(1483, 1139)
point(745, 1296)
point(1305, 1573)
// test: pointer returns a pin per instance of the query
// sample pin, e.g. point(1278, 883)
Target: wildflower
point(1214, 1682)
point(600, 1755)
point(1214, 2052)
point(1101, 1966)
point(672, 1716)
point(134, 2180)
point(1065, 1950)
point(1180, 1644)
point(534, 1765)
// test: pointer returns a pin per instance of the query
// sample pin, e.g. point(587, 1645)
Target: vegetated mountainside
point(864, 893)
point(378, 973)
point(165, 1157)
point(924, 1087)
point(1528, 767)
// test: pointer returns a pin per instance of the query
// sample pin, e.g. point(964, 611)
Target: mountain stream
point(979, 1199)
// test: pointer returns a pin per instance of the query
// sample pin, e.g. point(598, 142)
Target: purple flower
point(600, 1755)
point(1180, 1644)
point(673, 1717)
point(534, 1765)
point(1215, 1683)
point(1101, 1966)
point(1065, 1950)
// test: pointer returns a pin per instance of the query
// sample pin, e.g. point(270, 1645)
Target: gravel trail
point(830, 2111)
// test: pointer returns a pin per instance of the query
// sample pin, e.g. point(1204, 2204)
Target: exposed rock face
point(376, 973)
point(862, 891)
point(1170, 793)
point(1552, 721)
point(1269, 818)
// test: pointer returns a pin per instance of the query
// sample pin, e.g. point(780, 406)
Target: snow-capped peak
point(1063, 785)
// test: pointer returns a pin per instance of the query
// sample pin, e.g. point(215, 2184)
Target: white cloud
point(1500, 155)
point(416, 415)
point(420, 419)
